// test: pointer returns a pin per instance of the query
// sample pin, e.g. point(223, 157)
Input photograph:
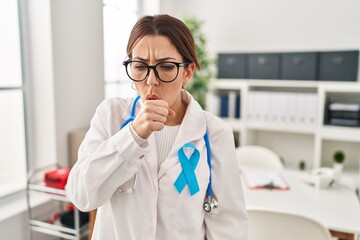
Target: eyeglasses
point(164, 71)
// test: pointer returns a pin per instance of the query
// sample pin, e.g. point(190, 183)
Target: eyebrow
point(157, 60)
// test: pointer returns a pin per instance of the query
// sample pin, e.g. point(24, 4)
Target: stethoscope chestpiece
point(211, 206)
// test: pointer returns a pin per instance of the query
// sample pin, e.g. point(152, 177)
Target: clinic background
point(64, 67)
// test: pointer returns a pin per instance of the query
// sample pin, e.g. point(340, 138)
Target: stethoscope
point(210, 205)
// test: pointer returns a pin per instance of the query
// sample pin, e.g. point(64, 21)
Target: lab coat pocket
point(128, 187)
point(189, 212)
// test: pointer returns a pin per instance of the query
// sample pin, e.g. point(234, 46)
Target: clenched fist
point(152, 117)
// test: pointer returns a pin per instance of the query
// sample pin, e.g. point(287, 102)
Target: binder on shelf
point(237, 106)
point(251, 105)
point(305, 104)
point(301, 108)
point(232, 98)
point(254, 107)
point(229, 104)
point(264, 104)
point(264, 179)
point(280, 108)
point(224, 105)
point(292, 108)
point(312, 100)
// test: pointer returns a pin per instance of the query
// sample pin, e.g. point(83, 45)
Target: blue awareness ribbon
point(188, 165)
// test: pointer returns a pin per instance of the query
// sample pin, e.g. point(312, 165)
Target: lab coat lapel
point(192, 128)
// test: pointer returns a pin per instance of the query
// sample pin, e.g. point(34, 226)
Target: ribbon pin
point(188, 165)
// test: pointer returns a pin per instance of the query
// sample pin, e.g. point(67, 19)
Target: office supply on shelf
point(343, 114)
point(344, 122)
point(299, 66)
point(263, 65)
point(338, 65)
point(231, 65)
point(353, 107)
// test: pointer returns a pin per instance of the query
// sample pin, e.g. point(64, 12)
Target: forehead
point(155, 47)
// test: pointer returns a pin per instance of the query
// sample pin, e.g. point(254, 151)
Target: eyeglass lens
point(166, 71)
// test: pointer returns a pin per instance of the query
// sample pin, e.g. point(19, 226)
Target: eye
point(139, 66)
point(167, 67)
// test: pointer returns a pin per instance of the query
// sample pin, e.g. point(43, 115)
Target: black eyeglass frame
point(177, 64)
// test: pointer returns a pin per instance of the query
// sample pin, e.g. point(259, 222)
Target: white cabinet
point(288, 117)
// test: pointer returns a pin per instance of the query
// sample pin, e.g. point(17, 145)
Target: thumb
point(171, 113)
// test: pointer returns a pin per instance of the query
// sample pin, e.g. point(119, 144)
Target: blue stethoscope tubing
point(132, 113)
point(211, 205)
point(208, 154)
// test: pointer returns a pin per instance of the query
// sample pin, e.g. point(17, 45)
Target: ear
point(189, 71)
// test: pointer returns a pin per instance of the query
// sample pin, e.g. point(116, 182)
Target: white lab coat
point(109, 158)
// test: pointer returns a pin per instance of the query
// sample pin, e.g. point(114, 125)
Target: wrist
point(140, 140)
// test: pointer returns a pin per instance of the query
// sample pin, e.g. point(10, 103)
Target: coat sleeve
point(104, 163)
point(231, 220)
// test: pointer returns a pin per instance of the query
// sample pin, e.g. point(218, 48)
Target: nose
point(152, 78)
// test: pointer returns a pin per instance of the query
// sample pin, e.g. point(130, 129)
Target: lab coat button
point(142, 156)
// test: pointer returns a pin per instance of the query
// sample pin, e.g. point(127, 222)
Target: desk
point(338, 207)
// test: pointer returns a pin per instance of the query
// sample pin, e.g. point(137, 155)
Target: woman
point(135, 169)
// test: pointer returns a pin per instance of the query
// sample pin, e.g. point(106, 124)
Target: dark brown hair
point(167, 26)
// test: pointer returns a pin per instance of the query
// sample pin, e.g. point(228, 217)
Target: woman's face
point(152, 50)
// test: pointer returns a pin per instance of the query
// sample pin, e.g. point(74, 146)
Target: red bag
point(57, 178)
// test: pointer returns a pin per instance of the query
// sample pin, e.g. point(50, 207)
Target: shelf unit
point(40, 223)
point(312, 142)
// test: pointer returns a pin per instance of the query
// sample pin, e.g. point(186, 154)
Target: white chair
point(258, 156)
point(268, 225)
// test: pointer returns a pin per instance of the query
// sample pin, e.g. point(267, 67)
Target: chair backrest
point(284, 226)
point(258, 156)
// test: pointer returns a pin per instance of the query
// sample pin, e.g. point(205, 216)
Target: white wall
point(77, 38)
point(277, 25)
point(65, 73)
point(39, 79)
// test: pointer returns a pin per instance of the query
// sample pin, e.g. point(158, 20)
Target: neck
point(180, 109)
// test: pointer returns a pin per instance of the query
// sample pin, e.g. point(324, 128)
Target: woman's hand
point(152, 117)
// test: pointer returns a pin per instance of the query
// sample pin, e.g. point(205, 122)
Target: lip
point(152, 97)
